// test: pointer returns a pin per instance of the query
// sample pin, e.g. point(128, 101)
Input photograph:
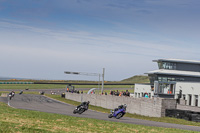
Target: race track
point(45, 104)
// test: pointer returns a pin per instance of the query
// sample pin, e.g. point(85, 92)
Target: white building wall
point(189, 89)
point(140, 89)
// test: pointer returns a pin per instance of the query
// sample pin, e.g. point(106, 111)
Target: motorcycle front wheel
point(81, 111)
point(110, 116)
point(74, 111)
point(119, 115)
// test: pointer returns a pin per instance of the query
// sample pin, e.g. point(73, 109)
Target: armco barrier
point(154, 107)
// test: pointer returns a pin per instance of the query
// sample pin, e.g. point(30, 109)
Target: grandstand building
point(174, 78)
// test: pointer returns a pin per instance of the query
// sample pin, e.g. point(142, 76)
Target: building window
point(149, 95)
point(160, 65)
point(183, 96)
point(196, 100)
point(180, 79)
point(190, 99)
point(165, 88)
point(167, 65)
point(167, 79)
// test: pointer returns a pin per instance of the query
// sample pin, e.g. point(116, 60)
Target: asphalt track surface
point(45, 104)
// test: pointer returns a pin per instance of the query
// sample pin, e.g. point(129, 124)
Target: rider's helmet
point(88, 102)
point(125, 105)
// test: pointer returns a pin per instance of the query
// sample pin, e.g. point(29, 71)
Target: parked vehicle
point(81, 108)
point(118, 112)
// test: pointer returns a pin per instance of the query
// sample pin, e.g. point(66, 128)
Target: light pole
point(90, 74)
point(102, 80)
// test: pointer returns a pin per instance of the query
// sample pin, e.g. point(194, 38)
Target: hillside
point(133, 79)
point(137, 79)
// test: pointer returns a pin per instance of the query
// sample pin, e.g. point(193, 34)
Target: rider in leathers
point(84, 104)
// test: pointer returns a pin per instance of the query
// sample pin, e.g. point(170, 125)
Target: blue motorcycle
point(118, 113)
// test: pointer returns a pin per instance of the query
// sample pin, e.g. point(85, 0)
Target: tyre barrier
point(183, 114)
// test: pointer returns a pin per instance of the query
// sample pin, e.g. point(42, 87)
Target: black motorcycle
point(81, 108)
point(20, 92)
point(11, 95)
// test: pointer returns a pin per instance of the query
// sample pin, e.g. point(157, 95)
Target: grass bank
point(100, 109)
point(18, 120)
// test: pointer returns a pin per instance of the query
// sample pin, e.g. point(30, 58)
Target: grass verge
point(100, 109)
point(22, 121)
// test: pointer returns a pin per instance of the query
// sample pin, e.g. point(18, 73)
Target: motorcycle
point(20, 92)
point(11, 95)
point(79, 110)
point(117, 113)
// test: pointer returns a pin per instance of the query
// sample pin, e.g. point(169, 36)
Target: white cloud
point(116, 43)
point(80, 50)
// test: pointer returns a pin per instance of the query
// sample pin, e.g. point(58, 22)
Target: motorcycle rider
point(21, 92)
point(11, 94)
point(85, 105)
point(118, 112)
point(120, 107)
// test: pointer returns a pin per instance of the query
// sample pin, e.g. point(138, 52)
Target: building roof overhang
point(175, 73)
point(178, 60)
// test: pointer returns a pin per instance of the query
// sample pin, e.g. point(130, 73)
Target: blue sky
point(41, 39)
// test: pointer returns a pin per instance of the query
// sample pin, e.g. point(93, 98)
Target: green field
point(134, 79)
point(30, 86)
point(51, 86)
point(24, 121)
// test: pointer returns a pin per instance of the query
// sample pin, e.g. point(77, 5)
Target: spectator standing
point(124, 93)
point(127, 93)
point(111, 92)
point(117, 93)
point(146, 95)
